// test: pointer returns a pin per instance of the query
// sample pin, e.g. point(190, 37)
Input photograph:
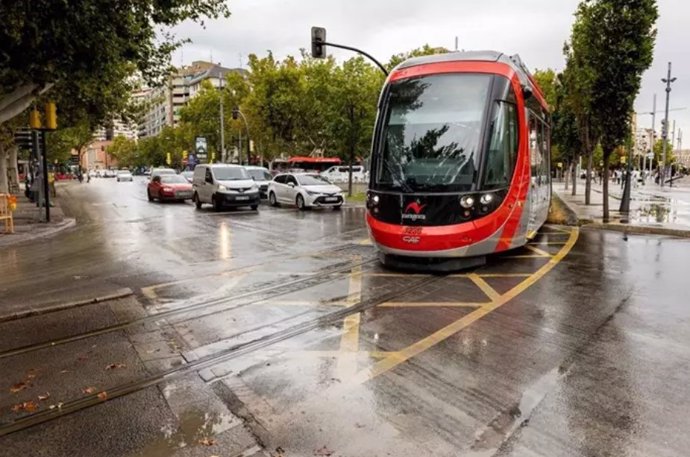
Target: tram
point(460, 164)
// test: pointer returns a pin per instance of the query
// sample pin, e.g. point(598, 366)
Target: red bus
point(460, 161)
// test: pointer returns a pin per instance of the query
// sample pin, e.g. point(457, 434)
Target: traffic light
point(235, 113)
point(23, 139)
point(664, 128)
point(35, 119)
point(51, 116)
point(318, 37)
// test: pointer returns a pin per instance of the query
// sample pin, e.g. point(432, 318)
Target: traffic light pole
point(46, 186)
point(359, 51)
point(664, 133)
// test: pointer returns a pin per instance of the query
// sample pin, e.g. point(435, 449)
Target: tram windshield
point(432, 133)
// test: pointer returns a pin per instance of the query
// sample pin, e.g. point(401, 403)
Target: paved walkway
point(652, 209)
point(29, 221)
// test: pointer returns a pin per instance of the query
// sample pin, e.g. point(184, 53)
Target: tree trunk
point(605, 186)
point(574, 171)
point(588, 178)
point(567, 175)
point(4, 189)
point(13, 170)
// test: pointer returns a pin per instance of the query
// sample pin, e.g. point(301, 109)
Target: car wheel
point(196, 200)
point(272, 199)
point(160, 198)
point(148, 194)
point(337, 207)
point(216, 203)
point(300, 202)
point(255, 207)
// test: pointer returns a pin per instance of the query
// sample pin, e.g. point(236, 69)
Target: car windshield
point(260, 175)
point(312, 180)
point(173, 179)
point(432, 132)
point(230, 173)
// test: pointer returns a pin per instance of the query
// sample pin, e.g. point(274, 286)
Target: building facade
point(162, 105)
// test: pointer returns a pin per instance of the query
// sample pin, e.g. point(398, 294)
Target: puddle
point(193, 428)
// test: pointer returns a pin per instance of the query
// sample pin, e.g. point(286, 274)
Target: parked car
point(342, 174)
point(188, 175)
point(169, 187)
point(224, 185)
point(109, 174)
point(261, 177)
point(305, 190)
point(124, 175)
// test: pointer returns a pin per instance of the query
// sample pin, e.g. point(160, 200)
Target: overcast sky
point(535, 29)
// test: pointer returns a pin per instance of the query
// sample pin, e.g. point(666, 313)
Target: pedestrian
point(51, 183)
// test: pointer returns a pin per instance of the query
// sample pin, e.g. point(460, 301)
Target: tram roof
point(514, 61)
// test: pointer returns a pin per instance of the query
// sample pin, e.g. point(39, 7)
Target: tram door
point(540, 181)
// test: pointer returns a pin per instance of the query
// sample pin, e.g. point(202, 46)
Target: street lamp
point(236, 113)
point(664, 131)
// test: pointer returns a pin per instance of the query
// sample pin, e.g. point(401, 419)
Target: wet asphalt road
point(278, 333)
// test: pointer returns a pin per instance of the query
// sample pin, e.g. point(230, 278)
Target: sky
point(535, 29)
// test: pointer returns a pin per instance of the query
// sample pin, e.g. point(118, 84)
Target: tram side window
point(503, 146)
point(534, 145)
point(546, 154)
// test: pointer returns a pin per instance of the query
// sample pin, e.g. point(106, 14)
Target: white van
point(341, 173)
point(224, 185)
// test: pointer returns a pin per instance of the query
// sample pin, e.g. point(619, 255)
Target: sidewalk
point(29, 225)
point(652, 209)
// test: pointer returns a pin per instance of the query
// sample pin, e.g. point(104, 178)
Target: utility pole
point(653, 139)
point(664, 133)
point(223, 157)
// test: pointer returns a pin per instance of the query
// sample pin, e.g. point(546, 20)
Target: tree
point(82, 46)
point(547, 80)
point(425, 50)
point(357, 87)
point(613, 41)
point(124, 150)
point(61, 142)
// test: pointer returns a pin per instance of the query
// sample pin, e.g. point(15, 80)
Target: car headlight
point(254, 188)
point(167, 189)
point(222, 187)
point(311, 192)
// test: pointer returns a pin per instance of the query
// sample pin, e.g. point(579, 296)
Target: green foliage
point(425, 50)
point(547, 81)
point(125, 151)
point(658, 151)
point(89, 48)
point(61, 142)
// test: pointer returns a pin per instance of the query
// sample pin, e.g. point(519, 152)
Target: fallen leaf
point(113, 366)
point(19, 387)
point(28, 406)
point(88, 390)
point(207, 441)
point(64, 371)
point(44, 396)
point(102, 395)
point(324, 451)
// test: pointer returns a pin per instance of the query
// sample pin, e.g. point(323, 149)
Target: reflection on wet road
point(279, 330)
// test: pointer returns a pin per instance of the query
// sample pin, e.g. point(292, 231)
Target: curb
point(67, 223)
point(639, 229)
point(121, 293)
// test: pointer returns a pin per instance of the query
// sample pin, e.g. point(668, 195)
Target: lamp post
point(223, 158)
point(664, 132)
point(236, 113)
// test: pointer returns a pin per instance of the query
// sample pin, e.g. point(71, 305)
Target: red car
point(169, 187)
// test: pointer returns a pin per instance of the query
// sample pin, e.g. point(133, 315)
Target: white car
point(124, 175)
point(306, 190)
point(342, 174)
point(262, 177)
point(109, 174)
point(224, 185)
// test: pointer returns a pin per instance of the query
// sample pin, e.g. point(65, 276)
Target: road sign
point(201, 147)
point(650, 155)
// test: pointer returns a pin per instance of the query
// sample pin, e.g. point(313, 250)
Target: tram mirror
point(527, 92)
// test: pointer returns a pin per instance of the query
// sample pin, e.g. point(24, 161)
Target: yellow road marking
point(349, 341)
point(499, 275)
point(548, 243)
point(422, 304)
point(365, 242)
point(422, 345)
point(485, 287)
point(537, 250)
point(526, 256)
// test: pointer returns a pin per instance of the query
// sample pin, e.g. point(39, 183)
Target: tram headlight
point(375, 199)
point(486, 199)
point(466, 201)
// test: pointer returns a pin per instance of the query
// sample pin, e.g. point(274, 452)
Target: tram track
point(209, 360)
point(225, 304)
